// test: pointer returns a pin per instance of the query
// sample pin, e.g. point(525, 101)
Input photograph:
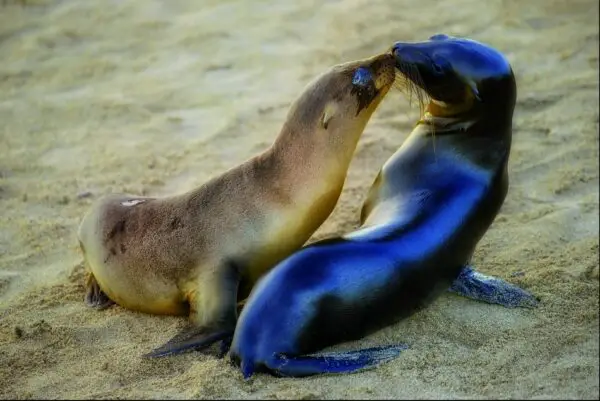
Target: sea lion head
point(457, 73)
point(336, 106)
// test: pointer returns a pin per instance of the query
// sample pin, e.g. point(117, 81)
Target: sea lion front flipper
point(330, 362)
point(480, 287)
point(214, 301)
point(94, 296)
point(190, 339)
point(225, 346)
point(226, 342)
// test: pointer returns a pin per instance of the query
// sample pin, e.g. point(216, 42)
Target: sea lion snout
point(371, 80)
point(382, 68)
point(408, 53)
point(429, 66)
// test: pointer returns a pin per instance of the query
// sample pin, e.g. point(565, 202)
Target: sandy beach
point(155, 97)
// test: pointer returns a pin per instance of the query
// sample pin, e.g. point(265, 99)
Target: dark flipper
point(191, 339)
point(226, 342)
point(94, 296)
point(480, 287)
point(331, 362)
point(224, 346)
point(196, 338)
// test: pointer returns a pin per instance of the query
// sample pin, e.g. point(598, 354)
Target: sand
point(155, 97)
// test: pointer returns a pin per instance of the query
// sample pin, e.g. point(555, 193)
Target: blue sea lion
point(431, 203)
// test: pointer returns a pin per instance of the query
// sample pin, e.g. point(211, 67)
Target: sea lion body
point(145, 262)
point(189, 253)
point(428, 208)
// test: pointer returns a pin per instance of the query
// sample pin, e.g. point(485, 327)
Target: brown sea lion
point(188, 254)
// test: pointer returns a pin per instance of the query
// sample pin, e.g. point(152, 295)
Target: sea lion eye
point(439, 65)
point(362, 77)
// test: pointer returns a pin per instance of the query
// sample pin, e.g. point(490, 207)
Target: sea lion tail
point(480, 287)
point(335, 362)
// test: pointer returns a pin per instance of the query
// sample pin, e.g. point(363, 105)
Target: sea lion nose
point(407, 53)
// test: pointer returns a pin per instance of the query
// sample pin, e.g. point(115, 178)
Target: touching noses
point(408, 53)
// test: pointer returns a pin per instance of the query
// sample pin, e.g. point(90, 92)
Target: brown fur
point(185, 254)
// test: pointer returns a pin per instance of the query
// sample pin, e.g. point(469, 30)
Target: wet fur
point(427, 209)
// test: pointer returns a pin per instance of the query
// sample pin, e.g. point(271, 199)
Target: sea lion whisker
point(411, 84)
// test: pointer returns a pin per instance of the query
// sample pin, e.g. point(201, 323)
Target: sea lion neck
point(489, 117)
point(320, 158)
point(474, 139)
point(447, 110)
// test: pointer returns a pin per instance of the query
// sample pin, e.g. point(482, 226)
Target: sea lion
point(428, 208)
point(188, 254)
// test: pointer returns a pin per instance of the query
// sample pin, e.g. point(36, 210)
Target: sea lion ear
point(474, 91)
point(327, 115)
point(325, 119)
point(439, 36)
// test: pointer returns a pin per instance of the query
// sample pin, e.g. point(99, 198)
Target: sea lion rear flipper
point(480, 287)
point(191, 339)
point(333, 362)
point(94, 296)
